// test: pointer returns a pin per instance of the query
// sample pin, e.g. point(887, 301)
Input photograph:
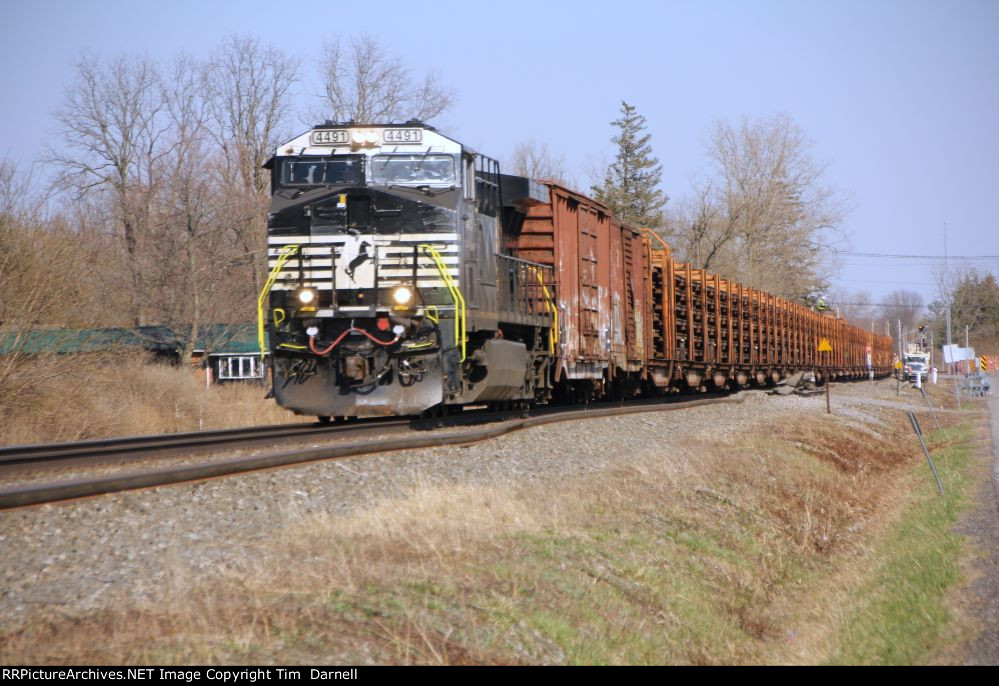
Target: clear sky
point(900, 97)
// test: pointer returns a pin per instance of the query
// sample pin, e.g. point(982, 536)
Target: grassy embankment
point(96, 398)
point(819, 541)
point(900, 613)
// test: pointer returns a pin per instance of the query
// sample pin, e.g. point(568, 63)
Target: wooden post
point(828, 381)
point(824, 347)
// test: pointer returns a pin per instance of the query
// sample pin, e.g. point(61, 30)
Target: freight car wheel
point(325, 419)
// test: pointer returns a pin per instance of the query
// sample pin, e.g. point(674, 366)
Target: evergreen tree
point(631, 186)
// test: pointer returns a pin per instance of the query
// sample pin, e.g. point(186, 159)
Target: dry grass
point(96, 397)
point(693, 553)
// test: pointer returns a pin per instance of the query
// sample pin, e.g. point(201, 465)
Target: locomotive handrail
point(459, 300)
point(553, 336)
point(528, 292)
point(283, 256)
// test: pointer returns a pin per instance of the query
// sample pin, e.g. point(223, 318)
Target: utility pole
point(971, 365)
point(946, 294)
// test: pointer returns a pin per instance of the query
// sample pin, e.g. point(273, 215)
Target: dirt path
point(983, 527)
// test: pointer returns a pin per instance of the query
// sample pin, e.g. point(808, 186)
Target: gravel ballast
point(78, 557)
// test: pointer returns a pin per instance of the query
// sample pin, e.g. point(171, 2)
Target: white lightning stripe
point(420, 283)
point(276, 251)
point(307, 275)
point(390, 273)
point(306, 264)
point(324, 250)
point(407, 260)
point(383, 275)
point(294, 286)
point(384, 267)
point(394, 238)
point(448, 257)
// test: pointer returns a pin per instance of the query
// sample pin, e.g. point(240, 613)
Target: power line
point(900, 306)
point(900, 283)
point(854, 253)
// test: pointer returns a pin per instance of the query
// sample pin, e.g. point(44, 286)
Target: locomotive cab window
point(320, 171)
point(413, 170)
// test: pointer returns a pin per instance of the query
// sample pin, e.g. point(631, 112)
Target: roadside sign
point(824, 346)
point(985, 363)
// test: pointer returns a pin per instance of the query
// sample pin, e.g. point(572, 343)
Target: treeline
point(973, 298)
point(156, 214)
point(760, 213)
point(974, 306)
point(154, 204)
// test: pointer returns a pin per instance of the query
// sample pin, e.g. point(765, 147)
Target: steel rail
point(142, 446)
point(46, 493)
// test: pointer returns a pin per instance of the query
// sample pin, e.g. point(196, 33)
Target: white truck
point(916, 363)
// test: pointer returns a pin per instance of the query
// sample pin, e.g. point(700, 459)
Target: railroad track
point(133, 448)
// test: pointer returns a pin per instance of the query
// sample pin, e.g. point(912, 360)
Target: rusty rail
point(138, 447)
point(54, 492)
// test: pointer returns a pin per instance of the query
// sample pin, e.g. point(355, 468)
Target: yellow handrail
point(459, 301)
point(553, 336)
point(285, 253)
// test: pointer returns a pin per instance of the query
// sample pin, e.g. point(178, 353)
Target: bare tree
point(764, 217)
point(249, 97)
point(362, 83)
point(185, 208)
point(905, 307)
point(701, 232)
point(109, 130)
point(535, 160)
point(19, 197)
point(857, 308)
point(249, 86)
point(196, 272)
point(45, 272)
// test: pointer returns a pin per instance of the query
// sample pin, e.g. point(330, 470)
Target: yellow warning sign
point(824, 346)
point(985, 363)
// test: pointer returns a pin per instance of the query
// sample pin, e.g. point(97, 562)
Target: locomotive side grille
point(313, 265)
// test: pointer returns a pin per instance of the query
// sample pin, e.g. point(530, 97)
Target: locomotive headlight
point(402, 295)
point(306, 296)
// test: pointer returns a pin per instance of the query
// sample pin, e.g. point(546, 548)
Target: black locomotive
point(388, 290)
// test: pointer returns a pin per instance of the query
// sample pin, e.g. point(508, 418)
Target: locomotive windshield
point(319, 171)
point(416, 170)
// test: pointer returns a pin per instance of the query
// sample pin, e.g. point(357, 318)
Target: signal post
point(824, 347)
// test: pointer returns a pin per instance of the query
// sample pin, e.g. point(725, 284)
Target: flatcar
point(407, 275)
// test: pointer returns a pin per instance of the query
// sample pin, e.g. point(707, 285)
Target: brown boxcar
point(630, 316)
point(599, 271)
